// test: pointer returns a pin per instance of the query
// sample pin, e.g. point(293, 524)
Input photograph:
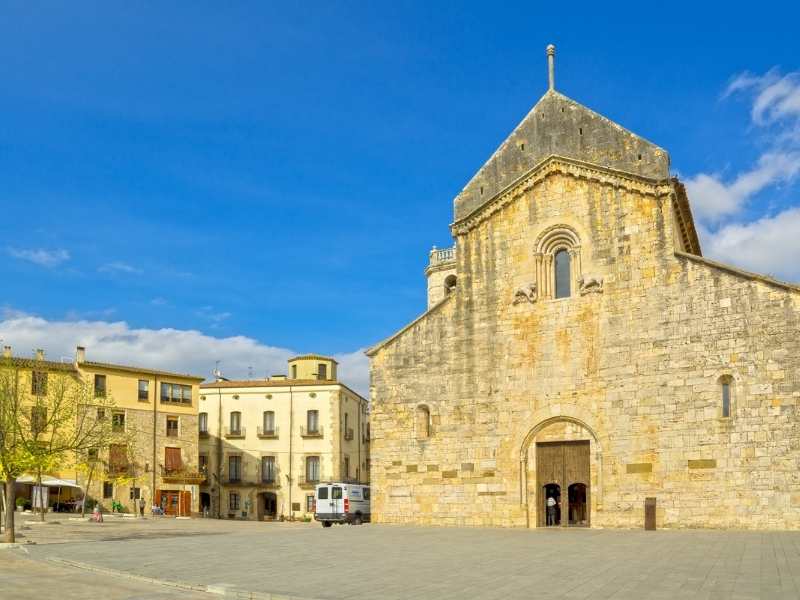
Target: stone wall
point(635, 369)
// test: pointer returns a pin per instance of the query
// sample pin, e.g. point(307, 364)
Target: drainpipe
point(219, 453)
point(156, 393)
point(291, 458)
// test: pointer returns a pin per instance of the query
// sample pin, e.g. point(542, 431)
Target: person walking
point(141, 507)
point(551, 511)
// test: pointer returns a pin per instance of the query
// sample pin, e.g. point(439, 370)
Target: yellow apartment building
point(267, 443)
point(155, 456)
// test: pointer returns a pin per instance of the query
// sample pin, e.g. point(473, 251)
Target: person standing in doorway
point(551, 511)
point(141, 506)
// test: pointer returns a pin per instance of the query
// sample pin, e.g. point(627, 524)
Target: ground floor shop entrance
point(562, 479)
point(174, 502)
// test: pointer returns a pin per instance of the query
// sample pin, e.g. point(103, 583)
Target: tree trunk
point(86, 492)
point(42, 507)
point(11, 502)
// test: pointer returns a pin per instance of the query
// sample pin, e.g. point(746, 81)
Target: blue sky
point(276, 175)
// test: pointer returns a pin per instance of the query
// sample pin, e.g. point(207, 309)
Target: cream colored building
point(266, 443)
point(587, 352)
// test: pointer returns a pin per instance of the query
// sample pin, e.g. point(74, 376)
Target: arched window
point(450, 284)
point(423, 424)
point(562, 274)
point(726, 389)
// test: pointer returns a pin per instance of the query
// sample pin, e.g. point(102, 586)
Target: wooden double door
point(562, 473)
point(174, 502)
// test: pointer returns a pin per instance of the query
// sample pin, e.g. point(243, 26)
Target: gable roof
point(558, 125)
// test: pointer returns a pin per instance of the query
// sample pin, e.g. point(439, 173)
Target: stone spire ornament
point(551, 67)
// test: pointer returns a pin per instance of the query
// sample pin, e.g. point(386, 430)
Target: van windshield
point(337, 493)
point(322, 493)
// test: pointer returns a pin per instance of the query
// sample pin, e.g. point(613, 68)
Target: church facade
point(578, 346)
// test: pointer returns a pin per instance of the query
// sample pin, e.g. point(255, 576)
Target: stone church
point(578, 347)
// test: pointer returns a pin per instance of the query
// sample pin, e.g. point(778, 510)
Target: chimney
point(39, 354)
point(6, 351)
point(80, 354)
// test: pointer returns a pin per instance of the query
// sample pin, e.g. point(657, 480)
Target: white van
point(341, 503)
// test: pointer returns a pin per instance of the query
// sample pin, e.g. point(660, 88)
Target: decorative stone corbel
point(590, 284)
point(526, 293)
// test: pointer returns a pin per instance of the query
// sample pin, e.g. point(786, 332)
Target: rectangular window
point(269, 422)
point(336, 493)
point(268, 469)
point(236, 422)
point(235, 468)
point(366, 493)
point(203, 464)
point(144, 390)
point(203, 422)
point(101, 414)
point(233, 501)
point(91, 454)
point(166, 392)
point(99, 386)
point(172, 426)
point(136, 493)
point(118, 422)
point(108, 489)
point(177, 393)
point(322, 371)
point(294, 371)
point(346, 467)
point(322, 493)
point(312, 421)
point(38, 419)
point(310, 503)
point(39, 383)
point(172, 460)
point(117, 458)
point(312, 469)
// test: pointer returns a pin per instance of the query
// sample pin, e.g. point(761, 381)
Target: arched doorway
point(578, 514)
point(267, 506)
point(551, 504)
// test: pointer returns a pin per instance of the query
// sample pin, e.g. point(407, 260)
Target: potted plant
point(21, 504)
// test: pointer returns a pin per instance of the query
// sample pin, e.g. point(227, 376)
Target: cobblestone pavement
point(391, 562)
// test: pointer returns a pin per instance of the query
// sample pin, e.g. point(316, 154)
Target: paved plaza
point(392, 562)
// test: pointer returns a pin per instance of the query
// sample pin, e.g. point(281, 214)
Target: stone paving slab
point(393, 562)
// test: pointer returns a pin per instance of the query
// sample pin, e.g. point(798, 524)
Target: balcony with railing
point(237, 433)
point(304, 481)
point(183, 474)
point(267, 434)
point(441, 257)
point(307, 432)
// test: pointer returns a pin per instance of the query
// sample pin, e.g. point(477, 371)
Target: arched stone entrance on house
point(267, 506)
point(561, 458)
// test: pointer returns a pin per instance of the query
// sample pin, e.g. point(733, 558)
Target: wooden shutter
point(185, 503)
point(172, 459)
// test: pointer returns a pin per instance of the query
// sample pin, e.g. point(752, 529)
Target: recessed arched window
point(562, 274)
point(726, 396)
point(423, 422)
point(450, 284)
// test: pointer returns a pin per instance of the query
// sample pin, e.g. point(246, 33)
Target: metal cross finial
point(551, 66)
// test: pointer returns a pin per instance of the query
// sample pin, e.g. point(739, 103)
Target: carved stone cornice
point(564, 166)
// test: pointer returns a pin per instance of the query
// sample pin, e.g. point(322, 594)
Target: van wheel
point(326, 523)
point(357, 520)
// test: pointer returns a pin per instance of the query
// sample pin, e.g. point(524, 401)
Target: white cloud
point(40, 256)
point(769, 245)
point(713, 199)
point(183, 351)
point(119, 267)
